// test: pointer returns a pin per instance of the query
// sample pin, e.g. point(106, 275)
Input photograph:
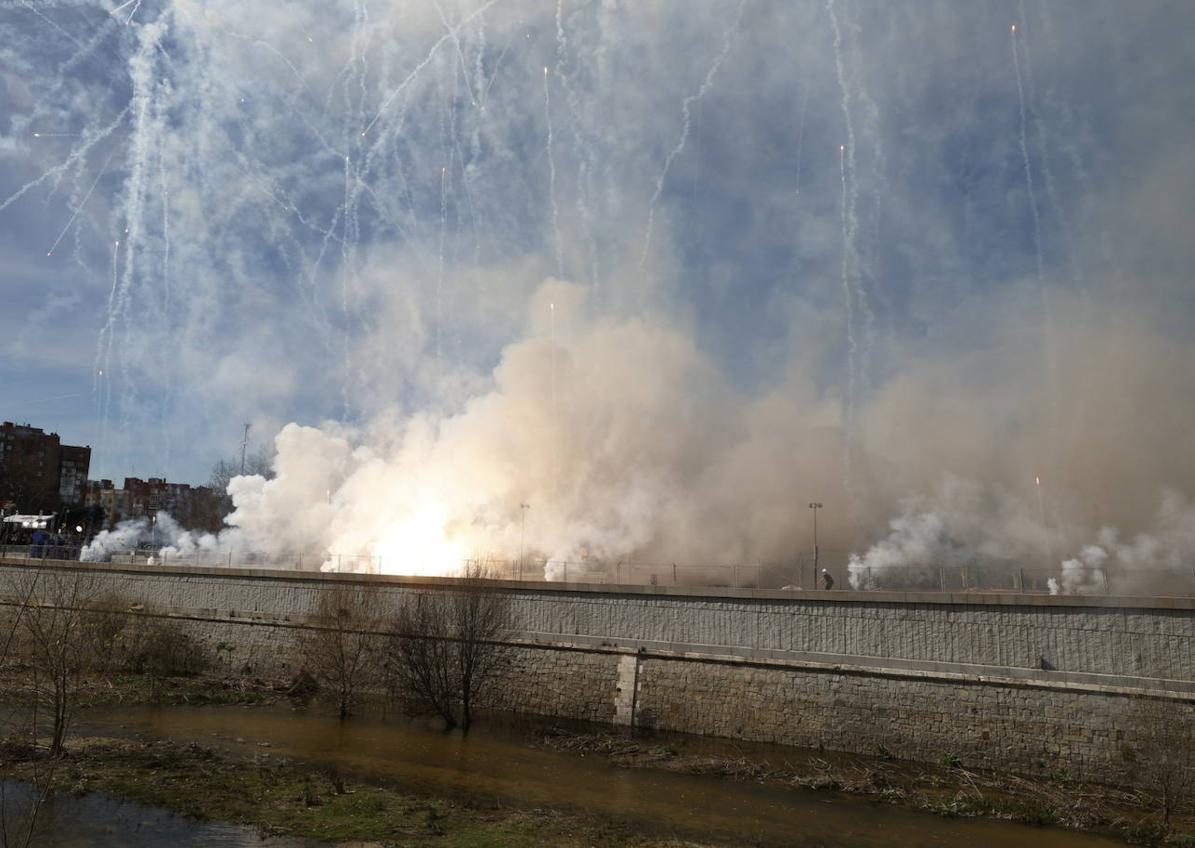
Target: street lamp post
point(814, 507)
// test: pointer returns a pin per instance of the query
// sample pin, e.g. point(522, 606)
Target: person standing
point(827, 580)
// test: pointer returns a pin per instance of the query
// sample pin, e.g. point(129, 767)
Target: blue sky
point(341, 212)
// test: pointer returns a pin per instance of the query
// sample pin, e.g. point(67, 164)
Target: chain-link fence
point(828, 570)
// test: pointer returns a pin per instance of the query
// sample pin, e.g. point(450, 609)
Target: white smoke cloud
point(1083, 575)
point(334, 216)
point(621, 436)
point(124, 537)
point(959, 523)
point(1158, 559)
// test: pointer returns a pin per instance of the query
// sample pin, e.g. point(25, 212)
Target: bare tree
point(422, 655)
point(260, 462)
point(1164, 751)
point(339, 651)
point(62, 634)
point(446, 647)
point(62, 627)
point(210, 508)
point(19, 808)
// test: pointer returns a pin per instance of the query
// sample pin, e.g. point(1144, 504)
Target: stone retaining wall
point(1027, 682)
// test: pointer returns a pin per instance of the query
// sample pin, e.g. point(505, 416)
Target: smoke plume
point(606, 282)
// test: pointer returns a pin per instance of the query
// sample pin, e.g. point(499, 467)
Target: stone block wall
point(1030, 729)
point(1119, 637)
point(1031, 683)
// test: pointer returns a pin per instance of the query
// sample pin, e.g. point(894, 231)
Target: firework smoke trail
point(555, 403)
point(1029, 184)
point(305, 89)
point(454, 127)
point(800, 139)
point(1068, 147)
point(353, 187)
point(871, 127)
point(146, 130)
point(361, 48)
point(1077, 413)
point(852, 264)
point(1047, 311)
point(402, 86)
point(167, 291)
point(852, 289)
point(440, 270)
point(348, 258)
point(1042, 138)
point(479, 81)
point(101, 384)
point(845, 90)
point(585, 157)
point(686, 108)
point(45, 399)
point(78, 207)
point(1041, 511)
point(123, 5)
point(852, 348)
point(51, 22)
point(62, 167)
point(460, 54)
point(552, 183)
point(561, 41)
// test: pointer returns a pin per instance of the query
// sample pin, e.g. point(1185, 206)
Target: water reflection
point(96, 820)
point(495, 764)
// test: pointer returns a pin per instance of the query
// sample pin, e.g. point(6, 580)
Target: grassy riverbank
point(278, 796)
point(948, 789)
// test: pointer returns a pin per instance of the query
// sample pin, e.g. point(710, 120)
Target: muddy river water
point(97, 820)
point(495, 763)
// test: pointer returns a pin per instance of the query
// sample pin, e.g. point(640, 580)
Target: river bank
point(184, 743)
point(508, 782)
point(281, 797)
point(948, 789)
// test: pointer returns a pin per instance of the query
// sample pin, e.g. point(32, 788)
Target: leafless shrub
point(106, 623)
point(339, 651)
point(445, 645)
point(1163, 750)
point(161, 649)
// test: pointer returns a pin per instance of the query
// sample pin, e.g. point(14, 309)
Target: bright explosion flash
point(420, 545)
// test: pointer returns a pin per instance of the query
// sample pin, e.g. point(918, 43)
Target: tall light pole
point(814, 507)
point(244, 445)
point(523, 507)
